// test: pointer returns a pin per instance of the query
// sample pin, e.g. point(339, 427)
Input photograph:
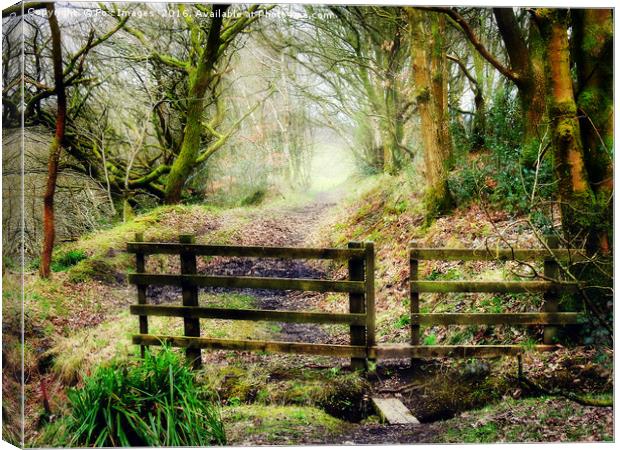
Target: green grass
point(486, 433)
point(227, 300)
point(403, 321)
point(430, 339)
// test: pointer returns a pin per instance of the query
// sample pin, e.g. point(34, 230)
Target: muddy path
point(280, 226)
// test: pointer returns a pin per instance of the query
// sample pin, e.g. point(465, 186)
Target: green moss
point(92, 269)
point(277, 424)
point(437, 201)
point(567, 109)
point(537, 419)
point(423, 95)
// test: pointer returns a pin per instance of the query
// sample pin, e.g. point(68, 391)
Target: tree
point(199, 77)
point(55, 147)
point(190, 70)
point(592, 52)
point(429, 68)
point(63, 77)
point(585, 215)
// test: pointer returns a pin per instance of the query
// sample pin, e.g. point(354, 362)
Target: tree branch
point(469, 33)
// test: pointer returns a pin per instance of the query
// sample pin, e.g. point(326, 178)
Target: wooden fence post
point(370, 295)
point(190, 298)
point(552, 298)
point(356, 305)
point(414, 297)
point(140, 268)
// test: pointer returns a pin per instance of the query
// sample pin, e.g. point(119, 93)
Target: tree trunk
point(593, 55)
point(575, 195)
point(479, 129)
point(199, 80)
point(527, 61)
point(430, 81)
point(55, 147)
point(533, 92)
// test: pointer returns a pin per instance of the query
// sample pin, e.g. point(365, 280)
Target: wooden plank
point(191, 325)
point(297, 284)
point(492, 286)
point(357, 305)
point(140, 268)
point(482, 254)
point(341, 351)
point(402, 351)
point(247, 314)
point(392, 411)
point(552, 299)
point(414, 296)
point(173, 248)
point(370, 293)
point(533, 318)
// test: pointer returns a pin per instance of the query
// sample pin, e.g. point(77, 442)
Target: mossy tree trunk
point(200, 78)
point(429, 67)
point(55, 147)
point(592, 47)
point(575, 193)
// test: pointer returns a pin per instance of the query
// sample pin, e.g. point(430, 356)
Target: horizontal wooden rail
point(492, 286)
point(344, 351)
point(197, 312)
point(450, 254)
point(295, 284)
point(533, 318)
point(172, 248)
point(401, 351)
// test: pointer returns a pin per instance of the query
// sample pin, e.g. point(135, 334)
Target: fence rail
point(197, 312)
point(533, 318)
point(293, 284)
point(493, 286)
point(344, 351)
point(174, 248)
point(495, 254)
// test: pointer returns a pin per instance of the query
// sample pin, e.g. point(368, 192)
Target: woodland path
point(281, 226)
point(294, 226)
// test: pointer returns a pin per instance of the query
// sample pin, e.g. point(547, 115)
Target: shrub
point(155, 402)
point(60, 261)
point(256, 197)
point(504, 174)
point(67, 259)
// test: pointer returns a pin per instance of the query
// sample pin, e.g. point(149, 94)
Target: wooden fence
point(550, 287)
point(360, 289)
point(359, 286)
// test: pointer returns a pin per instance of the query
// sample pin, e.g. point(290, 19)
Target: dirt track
point(280, 227)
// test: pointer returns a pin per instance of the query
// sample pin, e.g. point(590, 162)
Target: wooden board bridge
point(359, 286)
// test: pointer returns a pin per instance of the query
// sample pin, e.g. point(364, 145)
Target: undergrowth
point(155, 402)
point(504, 172)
